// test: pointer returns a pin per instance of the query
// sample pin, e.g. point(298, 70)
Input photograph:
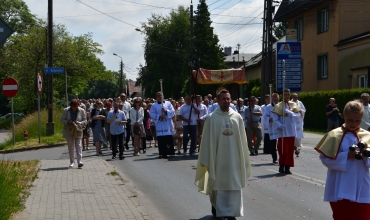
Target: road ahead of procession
point(166, 187)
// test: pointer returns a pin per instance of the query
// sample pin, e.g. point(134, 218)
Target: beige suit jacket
point(66, 116)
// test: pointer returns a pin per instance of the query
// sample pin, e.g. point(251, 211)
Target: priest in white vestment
point(223, 163)
point(299, 122)
point(347, 185)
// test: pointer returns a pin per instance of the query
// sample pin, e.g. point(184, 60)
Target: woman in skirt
point(98, 130)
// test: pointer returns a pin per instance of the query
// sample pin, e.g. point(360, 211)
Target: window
point(322, 66)
point(322, 20)
point(362, 81)
point(298, 24)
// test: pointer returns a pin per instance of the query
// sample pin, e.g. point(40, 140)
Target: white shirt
point(365, 123)
point(184, 111)
point(126, 109)
point(347, 178)
point(288, 125)
point(140, 116)
point(163, 128)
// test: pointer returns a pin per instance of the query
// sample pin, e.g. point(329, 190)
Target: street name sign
point(291, 52)
point(10, 87)
point(5, 31)
point(53, 70)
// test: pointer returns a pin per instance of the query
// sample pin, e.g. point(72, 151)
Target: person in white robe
point(223, 163)
point(269, 141)
point(347, 185)
point(299, 123)
point(365, 123)
point(285, 115)
point(161, 114)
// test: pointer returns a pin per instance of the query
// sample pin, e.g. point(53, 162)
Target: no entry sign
point(10, 87)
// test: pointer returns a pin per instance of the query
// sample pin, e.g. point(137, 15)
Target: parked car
point(16, 115)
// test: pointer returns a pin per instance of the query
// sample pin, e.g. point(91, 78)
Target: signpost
point(39, 91)
point(291, 53)
point(10, 89)
point(5, 31)
point(54, 70)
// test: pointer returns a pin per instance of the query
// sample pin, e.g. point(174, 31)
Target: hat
point(365, 95)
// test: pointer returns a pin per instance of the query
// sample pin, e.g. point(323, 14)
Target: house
point(235, 60)
point(335, 38)
point(132, 89)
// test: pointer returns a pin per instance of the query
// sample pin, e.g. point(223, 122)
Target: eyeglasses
point(295, 97)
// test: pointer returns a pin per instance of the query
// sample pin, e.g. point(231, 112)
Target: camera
point(357, 148)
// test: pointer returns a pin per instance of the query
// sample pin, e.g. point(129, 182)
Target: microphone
point(115, 112)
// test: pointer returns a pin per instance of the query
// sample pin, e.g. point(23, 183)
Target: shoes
point(287, 170)
point(83, 149)
point(165, 157)
point(213, 211)
point(251, 154)
point(256, 152)
point(121, 157)
point(156, 145)
point(150, 145)
point(191, 154)
point(179, 153)
point(160, 156)
point(126, 146)
point(87, 148)
point(97, 154)
point(80, 164)
point(144, 151)
point(274, 162)
point(184, 153)
point(281, 169)
point(114, 157)
point(71, 165)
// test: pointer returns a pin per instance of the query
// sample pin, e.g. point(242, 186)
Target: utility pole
point(120, 83)
point(191, 58)
point(238, 45)
point(267, 47)
point(50, 123)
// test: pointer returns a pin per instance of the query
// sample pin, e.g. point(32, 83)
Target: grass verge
point(15, 180)
point(30, 124)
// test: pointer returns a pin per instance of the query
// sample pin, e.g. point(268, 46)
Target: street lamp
point(121, 75)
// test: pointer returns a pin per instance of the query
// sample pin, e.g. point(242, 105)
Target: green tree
point(17, 15)
point(166, 53)
point(208, 51)
point(279, 30)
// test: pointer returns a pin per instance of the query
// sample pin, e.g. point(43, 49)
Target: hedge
point(315, 103)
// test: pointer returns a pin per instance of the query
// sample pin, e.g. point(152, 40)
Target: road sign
point(53, 70)
point(291, 53)
point(39, 83)
point(5, 31)
point(10, 87)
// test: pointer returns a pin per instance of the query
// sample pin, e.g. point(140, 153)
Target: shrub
point(315, 103)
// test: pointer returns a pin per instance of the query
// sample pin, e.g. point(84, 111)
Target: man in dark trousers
point(332, 111)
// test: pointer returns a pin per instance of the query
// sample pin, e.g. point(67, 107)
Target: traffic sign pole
point(13, 122)
point(39, 90)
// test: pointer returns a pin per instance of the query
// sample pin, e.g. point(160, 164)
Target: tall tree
point(166, 53)
point(17, 15)
point(208, 51)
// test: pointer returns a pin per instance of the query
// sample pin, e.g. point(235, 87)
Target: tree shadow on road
point(55, 168)
point(207, 217)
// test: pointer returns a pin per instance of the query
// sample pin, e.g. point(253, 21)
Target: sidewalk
point(60, 192)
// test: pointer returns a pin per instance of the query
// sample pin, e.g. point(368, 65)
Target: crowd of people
point(221, 130)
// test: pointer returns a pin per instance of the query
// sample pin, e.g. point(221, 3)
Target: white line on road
point(307, 179)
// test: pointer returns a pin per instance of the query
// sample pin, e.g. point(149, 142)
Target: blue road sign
point(54, 70)
point(5, 31)
point(291, 52)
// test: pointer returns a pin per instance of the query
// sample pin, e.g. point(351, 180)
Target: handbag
point(75, 129)
point(137, 129)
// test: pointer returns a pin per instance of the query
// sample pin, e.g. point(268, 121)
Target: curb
point(31, 148)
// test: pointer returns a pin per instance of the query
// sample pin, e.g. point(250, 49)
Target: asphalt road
point(166, 187)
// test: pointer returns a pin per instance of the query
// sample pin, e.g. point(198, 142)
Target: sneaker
point(184, 153)
point(71, 165)
point(80, 164)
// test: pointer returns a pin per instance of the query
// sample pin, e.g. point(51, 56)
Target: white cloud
point(122, 39)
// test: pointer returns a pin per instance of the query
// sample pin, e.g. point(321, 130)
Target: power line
point(108, 15)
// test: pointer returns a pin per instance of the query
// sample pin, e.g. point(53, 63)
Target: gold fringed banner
point(220, 76)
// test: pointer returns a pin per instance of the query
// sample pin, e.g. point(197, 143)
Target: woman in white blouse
point(137, 117)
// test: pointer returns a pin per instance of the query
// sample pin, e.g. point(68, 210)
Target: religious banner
point(224, 76)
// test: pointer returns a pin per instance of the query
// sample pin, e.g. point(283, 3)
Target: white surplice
point(347, 178)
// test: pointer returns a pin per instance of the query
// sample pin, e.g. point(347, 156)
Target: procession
point(221, 130)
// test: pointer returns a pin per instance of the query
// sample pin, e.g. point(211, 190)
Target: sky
point(113, 23)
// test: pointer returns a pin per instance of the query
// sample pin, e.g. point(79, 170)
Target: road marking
point(304, 178)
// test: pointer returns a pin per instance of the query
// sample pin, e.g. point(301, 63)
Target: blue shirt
point(116, 129)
